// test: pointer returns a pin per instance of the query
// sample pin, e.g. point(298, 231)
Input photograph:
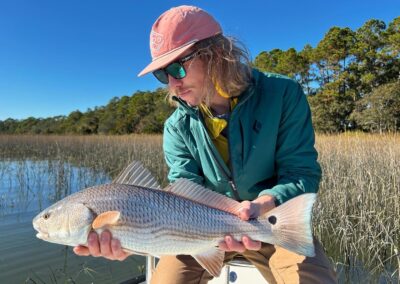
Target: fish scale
point(184, 218)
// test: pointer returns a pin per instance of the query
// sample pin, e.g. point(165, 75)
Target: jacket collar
point(193, 111)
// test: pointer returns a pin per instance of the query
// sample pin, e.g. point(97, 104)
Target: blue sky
point(61, 56)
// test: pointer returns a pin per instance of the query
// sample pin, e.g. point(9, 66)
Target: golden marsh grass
point(358, 219)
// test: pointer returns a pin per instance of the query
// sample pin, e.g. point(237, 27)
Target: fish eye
point(46, 216)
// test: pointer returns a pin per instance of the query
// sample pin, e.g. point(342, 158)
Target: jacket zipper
point(227, 176)
point(232, 180)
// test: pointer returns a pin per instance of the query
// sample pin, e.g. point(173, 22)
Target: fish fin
point(106, 218)
point(211, 260)
point(195, 192)
point(291, 225)
point(136, 174)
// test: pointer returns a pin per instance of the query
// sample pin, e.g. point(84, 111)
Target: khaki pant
point(276, 264)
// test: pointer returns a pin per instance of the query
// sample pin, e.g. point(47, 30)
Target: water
point(27, 187)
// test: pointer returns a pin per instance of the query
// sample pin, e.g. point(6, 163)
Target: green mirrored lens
point(176, 70)
point(161, 75)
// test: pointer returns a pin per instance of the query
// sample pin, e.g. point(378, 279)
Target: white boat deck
point(239, 275)
point(237, 272)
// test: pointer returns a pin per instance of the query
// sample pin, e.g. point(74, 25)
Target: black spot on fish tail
point(272, 219)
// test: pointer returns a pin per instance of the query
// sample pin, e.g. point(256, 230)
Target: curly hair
point(227, 63)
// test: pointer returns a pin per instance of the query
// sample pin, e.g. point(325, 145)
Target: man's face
point(191, 88)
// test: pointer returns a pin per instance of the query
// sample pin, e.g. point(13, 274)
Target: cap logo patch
point(156, 41)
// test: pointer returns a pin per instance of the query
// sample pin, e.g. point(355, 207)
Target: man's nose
point(174, 83)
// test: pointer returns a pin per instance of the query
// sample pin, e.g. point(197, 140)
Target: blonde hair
point(227, 65)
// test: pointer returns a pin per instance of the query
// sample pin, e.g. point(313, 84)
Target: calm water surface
point(27, 187)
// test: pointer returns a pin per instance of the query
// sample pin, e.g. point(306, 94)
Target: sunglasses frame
point(164, 71)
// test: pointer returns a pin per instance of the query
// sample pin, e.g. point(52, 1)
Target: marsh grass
point(356, 216)
point(104, 153)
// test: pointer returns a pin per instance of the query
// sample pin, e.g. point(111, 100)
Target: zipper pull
point(234, 190)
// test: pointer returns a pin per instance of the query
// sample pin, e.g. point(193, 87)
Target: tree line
point(143, 112)
point(351, 79)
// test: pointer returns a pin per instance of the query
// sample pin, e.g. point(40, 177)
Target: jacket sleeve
point(180, 161)
point(296, 158)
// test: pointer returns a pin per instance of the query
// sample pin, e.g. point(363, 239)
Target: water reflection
point(26, 188)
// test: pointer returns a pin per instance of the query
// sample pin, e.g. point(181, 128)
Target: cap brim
point(165, 59)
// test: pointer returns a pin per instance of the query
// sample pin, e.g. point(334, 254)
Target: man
point(237, 131)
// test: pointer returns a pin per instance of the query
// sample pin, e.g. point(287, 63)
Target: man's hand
point(106, 247)
point(250, 209)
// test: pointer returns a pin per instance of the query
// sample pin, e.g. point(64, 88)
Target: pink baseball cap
point(177, 30)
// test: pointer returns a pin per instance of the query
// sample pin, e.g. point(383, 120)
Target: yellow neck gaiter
point(216, 125)
point(220, 91)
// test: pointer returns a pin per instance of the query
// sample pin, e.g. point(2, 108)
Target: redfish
point(183, 218)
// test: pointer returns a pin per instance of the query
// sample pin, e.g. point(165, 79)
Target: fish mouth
point(42, 236)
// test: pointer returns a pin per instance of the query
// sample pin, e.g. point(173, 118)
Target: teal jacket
point(271, 144)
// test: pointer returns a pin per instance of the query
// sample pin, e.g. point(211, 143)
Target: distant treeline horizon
point(351, 79)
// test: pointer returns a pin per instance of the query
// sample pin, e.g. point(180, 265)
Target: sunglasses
point(175, 69)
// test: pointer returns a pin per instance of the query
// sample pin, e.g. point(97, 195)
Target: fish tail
point(291, 226)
